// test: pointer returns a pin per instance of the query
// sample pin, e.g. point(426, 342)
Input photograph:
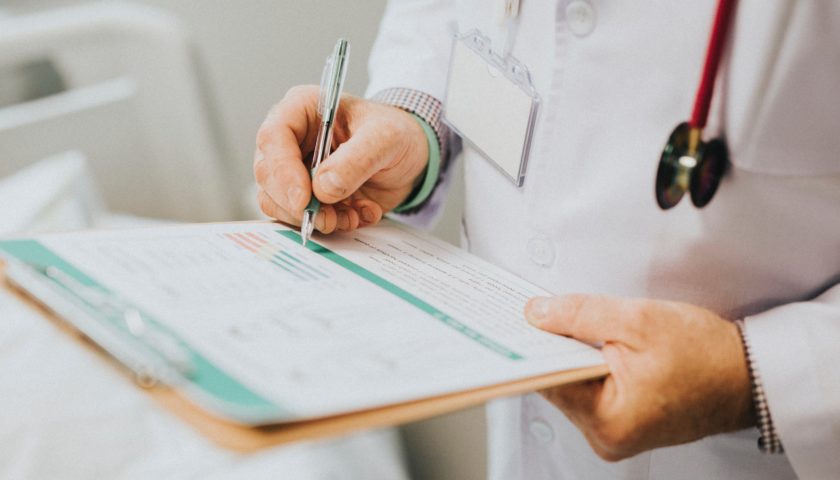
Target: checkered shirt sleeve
point(768, 440)
point(423, 105)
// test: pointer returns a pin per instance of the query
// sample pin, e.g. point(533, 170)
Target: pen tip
point(305, 229)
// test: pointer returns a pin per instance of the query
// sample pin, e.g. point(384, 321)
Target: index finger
point(284, 138)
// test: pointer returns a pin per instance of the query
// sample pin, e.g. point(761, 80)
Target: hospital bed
point(131, 103)
point(127, 139)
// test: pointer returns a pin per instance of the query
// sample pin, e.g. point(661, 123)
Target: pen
point(332, 82)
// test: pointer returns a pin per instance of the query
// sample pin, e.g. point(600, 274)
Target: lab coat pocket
point(780, 100)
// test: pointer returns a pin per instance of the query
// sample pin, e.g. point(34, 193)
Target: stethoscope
point(688, 164)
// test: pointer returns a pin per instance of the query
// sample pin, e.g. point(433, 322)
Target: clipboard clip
point(168, 350)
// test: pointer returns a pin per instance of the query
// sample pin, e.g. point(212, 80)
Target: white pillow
point(55, 194)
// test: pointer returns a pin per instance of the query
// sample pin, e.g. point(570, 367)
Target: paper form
point(354, 321)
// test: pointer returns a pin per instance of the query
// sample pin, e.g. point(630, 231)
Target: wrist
point(426, 181)
point(426, 110)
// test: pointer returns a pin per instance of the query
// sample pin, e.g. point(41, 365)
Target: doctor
point(721, 325)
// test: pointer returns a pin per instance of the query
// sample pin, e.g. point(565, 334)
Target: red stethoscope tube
point(720, 30)
point(688, 164)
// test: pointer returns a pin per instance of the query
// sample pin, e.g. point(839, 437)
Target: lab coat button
point(541, 250)
point(542, 431)
point(580, 16)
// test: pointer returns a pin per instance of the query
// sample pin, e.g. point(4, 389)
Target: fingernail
point(320, 221)
point(295, 196)
point(332, 183)
point(537, 310)
point(367, 215)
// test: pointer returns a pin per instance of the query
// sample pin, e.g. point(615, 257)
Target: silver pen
point(332, 82)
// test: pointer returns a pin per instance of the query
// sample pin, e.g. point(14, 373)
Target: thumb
point(351, 165)
point(588, 318)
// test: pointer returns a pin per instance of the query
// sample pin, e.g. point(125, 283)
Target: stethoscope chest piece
point(689, 165)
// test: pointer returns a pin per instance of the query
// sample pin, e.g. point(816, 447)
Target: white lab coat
point(615, 78)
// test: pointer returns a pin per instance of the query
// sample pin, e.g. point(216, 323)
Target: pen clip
point(332, 80)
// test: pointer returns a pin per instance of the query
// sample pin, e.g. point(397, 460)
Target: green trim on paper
point(40, 257)
point(205, 375)
point(403, 294)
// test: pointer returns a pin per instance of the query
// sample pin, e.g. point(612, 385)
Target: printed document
point(351, 322)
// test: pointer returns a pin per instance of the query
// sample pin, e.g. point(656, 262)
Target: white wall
point(251, 52)
point(255, 50)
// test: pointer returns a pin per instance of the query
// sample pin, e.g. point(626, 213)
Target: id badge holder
point(491, 104)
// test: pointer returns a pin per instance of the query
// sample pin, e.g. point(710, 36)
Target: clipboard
point(246, 437)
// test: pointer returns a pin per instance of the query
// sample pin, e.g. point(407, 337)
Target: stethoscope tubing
point(717, 40)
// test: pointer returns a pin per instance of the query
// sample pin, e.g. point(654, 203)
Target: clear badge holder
point(491, 104)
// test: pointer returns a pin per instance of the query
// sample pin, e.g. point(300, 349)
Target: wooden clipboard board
point(246, 438)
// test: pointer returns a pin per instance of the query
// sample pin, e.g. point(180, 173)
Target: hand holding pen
point(380, 155)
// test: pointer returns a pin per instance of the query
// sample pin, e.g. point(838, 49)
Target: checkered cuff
point(768, 441)
point(424, 106)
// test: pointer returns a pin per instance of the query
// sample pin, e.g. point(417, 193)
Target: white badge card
point(491, 104)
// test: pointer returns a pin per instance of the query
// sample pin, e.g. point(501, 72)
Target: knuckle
point(637, 310)
point(577, 300)
point(570, 306)
point(298, 91)
point(262, 172)
point(573, 301)
point(637, 315)
point(265, 134)
point(294, 91)
point(266, 204)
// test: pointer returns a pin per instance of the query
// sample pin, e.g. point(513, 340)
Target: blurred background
point(116, 113)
